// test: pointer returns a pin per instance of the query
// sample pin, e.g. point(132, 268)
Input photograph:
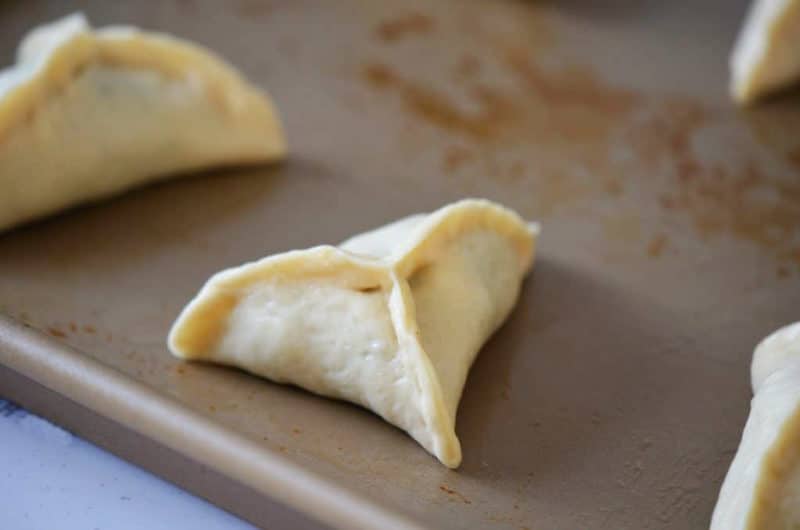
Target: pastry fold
point(86, 114)
point(391, 319)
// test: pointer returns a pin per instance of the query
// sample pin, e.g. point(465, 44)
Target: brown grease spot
point(572, 86)
point(397, 28)
point(467, 67)
point(742, 201)
point(296, 431)
point(72, 327)
point(379, 75)
point(56, 332)
point(455, 157)
point(783, 272)
point(89, 329)
point(212, 408)
point(435, 108)
point(554, 116)
point(454, 493)
point(568, 108)
point(657, 245)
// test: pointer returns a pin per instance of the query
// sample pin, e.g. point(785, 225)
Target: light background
point(52, 479)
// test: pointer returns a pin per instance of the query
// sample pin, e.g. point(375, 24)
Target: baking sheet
point(614, 396)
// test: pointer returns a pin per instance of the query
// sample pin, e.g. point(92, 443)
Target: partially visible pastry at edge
point(762, 488)
point(391, 319)
point(766, 56)
point(87, 113)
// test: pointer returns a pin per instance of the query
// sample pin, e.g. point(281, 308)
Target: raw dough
point(391, 319)
point(87, 113)
point(767, 54)
point(762, 488)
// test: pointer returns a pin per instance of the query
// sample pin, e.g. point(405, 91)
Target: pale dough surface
point(85, 114)
point(766, 56)
point(762, 488)
point(391, 319)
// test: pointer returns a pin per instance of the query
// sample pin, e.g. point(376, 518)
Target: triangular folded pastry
point(762, 488)
point(391, 319)
point(767, 53)
point(88, 113)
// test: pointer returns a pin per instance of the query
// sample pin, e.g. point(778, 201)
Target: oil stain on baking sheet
point(399, 27)
point(562, 135)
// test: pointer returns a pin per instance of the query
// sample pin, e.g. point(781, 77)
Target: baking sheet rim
point(114, 395)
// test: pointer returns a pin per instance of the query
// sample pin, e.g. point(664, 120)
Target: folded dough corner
point(391, 319)
point(762, 488)
point(766, 57)
point(85, 114)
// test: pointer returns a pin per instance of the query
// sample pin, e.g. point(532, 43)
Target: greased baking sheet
point(615, 394)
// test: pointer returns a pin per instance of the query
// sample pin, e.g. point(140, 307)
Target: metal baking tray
point(615, 394)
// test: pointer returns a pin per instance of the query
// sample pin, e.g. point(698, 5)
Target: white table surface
point(52, 479)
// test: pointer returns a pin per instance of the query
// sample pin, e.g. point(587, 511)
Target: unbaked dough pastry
point(86, 113)
point(762, 488)
point(767, 53)
point(391, 319)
